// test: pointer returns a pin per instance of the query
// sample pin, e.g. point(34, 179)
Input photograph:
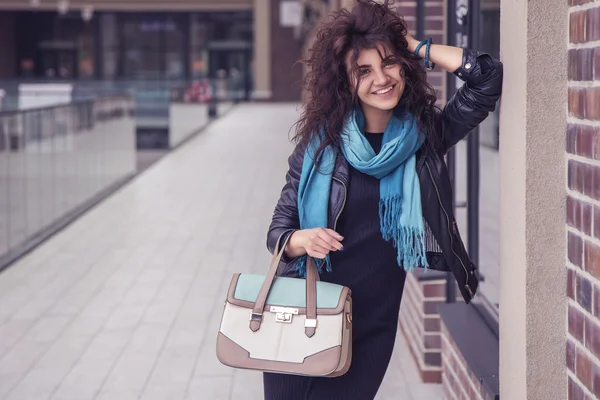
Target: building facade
point(246, 45)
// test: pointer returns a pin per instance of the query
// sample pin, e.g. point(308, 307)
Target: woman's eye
point(363, 72)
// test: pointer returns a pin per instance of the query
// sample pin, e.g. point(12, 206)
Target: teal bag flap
point(287, 292)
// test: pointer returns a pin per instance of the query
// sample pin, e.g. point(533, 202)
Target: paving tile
point(84, 380)
point(126, 301)
point(217, 388)
point(247, 385)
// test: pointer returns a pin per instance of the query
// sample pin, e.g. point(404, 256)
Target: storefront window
point(153, 46)
point(108, 31)
point(172, 46)
point(56, 46)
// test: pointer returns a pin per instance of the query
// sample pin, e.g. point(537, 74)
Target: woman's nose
point(381, 77)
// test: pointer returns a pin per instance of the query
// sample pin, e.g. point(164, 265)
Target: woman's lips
point(385, 91)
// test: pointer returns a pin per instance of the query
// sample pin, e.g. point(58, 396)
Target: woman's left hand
point(412, 42)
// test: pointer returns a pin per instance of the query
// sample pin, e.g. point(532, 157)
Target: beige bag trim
point(319, 364)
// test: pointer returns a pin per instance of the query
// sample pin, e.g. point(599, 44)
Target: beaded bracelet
point(427, 42)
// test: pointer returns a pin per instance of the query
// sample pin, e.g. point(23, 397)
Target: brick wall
point(420, 321)
point(583, 201)
point(459, 382)
point(435, 26)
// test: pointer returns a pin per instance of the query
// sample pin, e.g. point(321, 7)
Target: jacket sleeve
point(477, 97)
point(285, 217)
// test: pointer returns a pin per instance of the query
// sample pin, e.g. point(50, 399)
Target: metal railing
point(55, 160)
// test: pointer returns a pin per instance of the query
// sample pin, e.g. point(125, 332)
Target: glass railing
point(152, 98)
point(55, 160)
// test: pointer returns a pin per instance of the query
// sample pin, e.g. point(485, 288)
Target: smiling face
point(380, 84)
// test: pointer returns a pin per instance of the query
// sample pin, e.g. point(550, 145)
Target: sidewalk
point(125, 302)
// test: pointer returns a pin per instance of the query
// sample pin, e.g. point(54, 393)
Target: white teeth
point(384, 91)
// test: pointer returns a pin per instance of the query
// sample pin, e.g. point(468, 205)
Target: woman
point(367, 193)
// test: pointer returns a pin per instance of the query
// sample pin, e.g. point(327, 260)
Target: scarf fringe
point(301, 265)
point(409, 241)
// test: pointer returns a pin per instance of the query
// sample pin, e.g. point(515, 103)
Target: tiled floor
point(125, 302)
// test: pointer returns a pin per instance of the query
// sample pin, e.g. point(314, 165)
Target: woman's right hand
point(316, 242)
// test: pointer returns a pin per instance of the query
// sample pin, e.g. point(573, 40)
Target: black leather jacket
point(463, 112)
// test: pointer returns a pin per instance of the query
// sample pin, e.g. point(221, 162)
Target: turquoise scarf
point(400, 213)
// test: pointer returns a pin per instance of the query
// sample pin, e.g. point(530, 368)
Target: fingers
point(332, 238)
point(322, 241)
point(324, 244)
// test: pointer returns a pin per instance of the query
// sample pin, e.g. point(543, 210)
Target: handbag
point(286, 325)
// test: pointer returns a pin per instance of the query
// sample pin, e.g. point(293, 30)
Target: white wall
point(184, 120)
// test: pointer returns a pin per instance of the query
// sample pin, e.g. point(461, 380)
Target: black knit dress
point(368, 266)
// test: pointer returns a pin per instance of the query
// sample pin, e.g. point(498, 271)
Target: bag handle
point(312, 277)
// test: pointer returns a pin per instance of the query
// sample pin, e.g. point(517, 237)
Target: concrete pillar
point(532, 199)
point(262, 49)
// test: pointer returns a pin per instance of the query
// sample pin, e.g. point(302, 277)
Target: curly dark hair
point(327, 85)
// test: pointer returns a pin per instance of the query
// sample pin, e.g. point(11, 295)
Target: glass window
point(489, 40)
point(110, 49)
point(86, 52)
point(142, 63)
point(153, 46)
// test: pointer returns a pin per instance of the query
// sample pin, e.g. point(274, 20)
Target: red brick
point(434, 24)
point(576, 102)
point(592, 103)
point(571, 284)
point(407, 10)
point(595, 181)
point(585, 141)
point(581, 64)
point(577, 27)
point(575, 249)
point(431, 307)
point(432, 341)
point(573, 212)
point(592, 24)
point(573, 176)
point(596, 379)
point(596, 306)
point(589, 173)
point(592, 336)
point(433, 358)
point(581, 178)
point(575, 391)
point(596, 63)
point(585, 224)
point(592, 258)
point(434, 289)
point(596, 139)
point(572, 133)
point(596, 218)
point(584, 293)
point(571, 355)
point(583, 366)
point(434, 11)
point(575, 321)
point(431, 324)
